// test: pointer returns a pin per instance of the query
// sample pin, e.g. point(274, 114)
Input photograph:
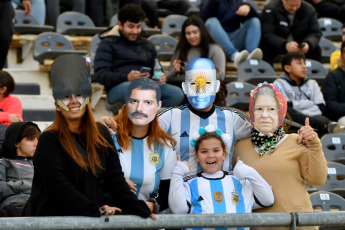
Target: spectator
point(10, 107)
point(235, 25)
point(277, 156)
point(333, 90)
point(6, 28)
point(16, 168)
point(120, 55)
point(195, 42)
point(290, 26)
point(76, 162)
point(336, 54)
point(200, 86)
point(303, 95)
point(244, 182)
point(53, 8)
point(38, 9)
point(327, 9)
point(145, 150)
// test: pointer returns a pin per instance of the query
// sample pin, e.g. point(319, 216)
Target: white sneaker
point(255, 54)
point(239, 57)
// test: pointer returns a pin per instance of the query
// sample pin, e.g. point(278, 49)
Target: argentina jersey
point(145, 167)
point(219, 193)
point(183, 121)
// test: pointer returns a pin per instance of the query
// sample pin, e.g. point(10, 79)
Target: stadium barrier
point(168, 221)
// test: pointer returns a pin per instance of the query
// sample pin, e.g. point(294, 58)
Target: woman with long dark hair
point(77, 169)
point(195, 42)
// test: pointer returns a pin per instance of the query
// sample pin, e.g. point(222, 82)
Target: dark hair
point(206, 39)
point(144, 84)
point(132, 13)
point(343, 25)
point(30, 132)
point(208, 136)
point(288, 57)
point(342, 47)
point(7, 80)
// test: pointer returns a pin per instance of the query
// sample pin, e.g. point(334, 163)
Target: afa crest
point(154, 159)
point(218, 196)
point(235, 198)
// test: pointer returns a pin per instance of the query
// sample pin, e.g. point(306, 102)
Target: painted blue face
point(200, 84)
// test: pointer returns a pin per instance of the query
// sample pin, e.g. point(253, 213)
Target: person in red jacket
point(10, 107)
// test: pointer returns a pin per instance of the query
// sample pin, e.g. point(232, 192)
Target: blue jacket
point(225, 12)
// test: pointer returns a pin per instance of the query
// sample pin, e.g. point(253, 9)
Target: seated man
point(235, 26)
point(333, 90)
point(122, 53)
point(290, 26)
point(303, 95)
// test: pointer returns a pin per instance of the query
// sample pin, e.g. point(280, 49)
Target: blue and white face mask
point(200, 84)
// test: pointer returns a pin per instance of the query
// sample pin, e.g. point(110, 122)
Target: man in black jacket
point(290, 26)
point(121, 55)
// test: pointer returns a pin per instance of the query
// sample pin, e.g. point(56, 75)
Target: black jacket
point(276, 26)
point(333, 90)
point(61, 188)
point(116, 57)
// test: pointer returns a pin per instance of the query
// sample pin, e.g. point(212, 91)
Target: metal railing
point(168, 221)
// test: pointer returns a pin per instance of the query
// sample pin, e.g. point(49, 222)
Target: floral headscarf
point(267, 142)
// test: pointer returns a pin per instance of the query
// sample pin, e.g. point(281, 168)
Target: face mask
point(200, 84)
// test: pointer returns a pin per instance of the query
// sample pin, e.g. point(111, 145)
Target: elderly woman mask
point(200, 84)
point(267, 110)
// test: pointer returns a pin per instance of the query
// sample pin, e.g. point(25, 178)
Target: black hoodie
point(16, 172)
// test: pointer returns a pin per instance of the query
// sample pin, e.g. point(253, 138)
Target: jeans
point(171, 95)
point(38, 9)
point(246, 37)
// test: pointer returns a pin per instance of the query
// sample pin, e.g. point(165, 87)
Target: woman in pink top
point(10, 107)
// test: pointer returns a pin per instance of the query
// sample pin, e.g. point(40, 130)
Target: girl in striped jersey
point(214, 190)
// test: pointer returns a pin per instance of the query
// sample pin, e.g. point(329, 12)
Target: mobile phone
point(145, 69)
point(301, 45)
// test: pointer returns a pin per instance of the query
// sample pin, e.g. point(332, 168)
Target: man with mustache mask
point(145, 150)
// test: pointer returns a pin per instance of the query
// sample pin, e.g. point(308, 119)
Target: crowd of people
point(196, 157)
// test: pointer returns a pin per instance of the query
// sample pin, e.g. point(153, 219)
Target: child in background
point(303, 95)
point(10, 107)
point(214, 190)
point(16, 167)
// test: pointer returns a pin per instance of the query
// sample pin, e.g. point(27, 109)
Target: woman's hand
point(131, 185)
point(177, 66)
point(151, 206)
point(306, 133)
point(105, 209)
point(109, 122)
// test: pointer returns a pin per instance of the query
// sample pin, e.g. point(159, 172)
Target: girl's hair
point(29, 132)
point(208, 136)
point(206, 39)
point(7, 80)
point(94, 140)
point(156, 133)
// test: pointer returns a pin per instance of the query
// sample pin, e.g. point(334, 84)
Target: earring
point(58, 109)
